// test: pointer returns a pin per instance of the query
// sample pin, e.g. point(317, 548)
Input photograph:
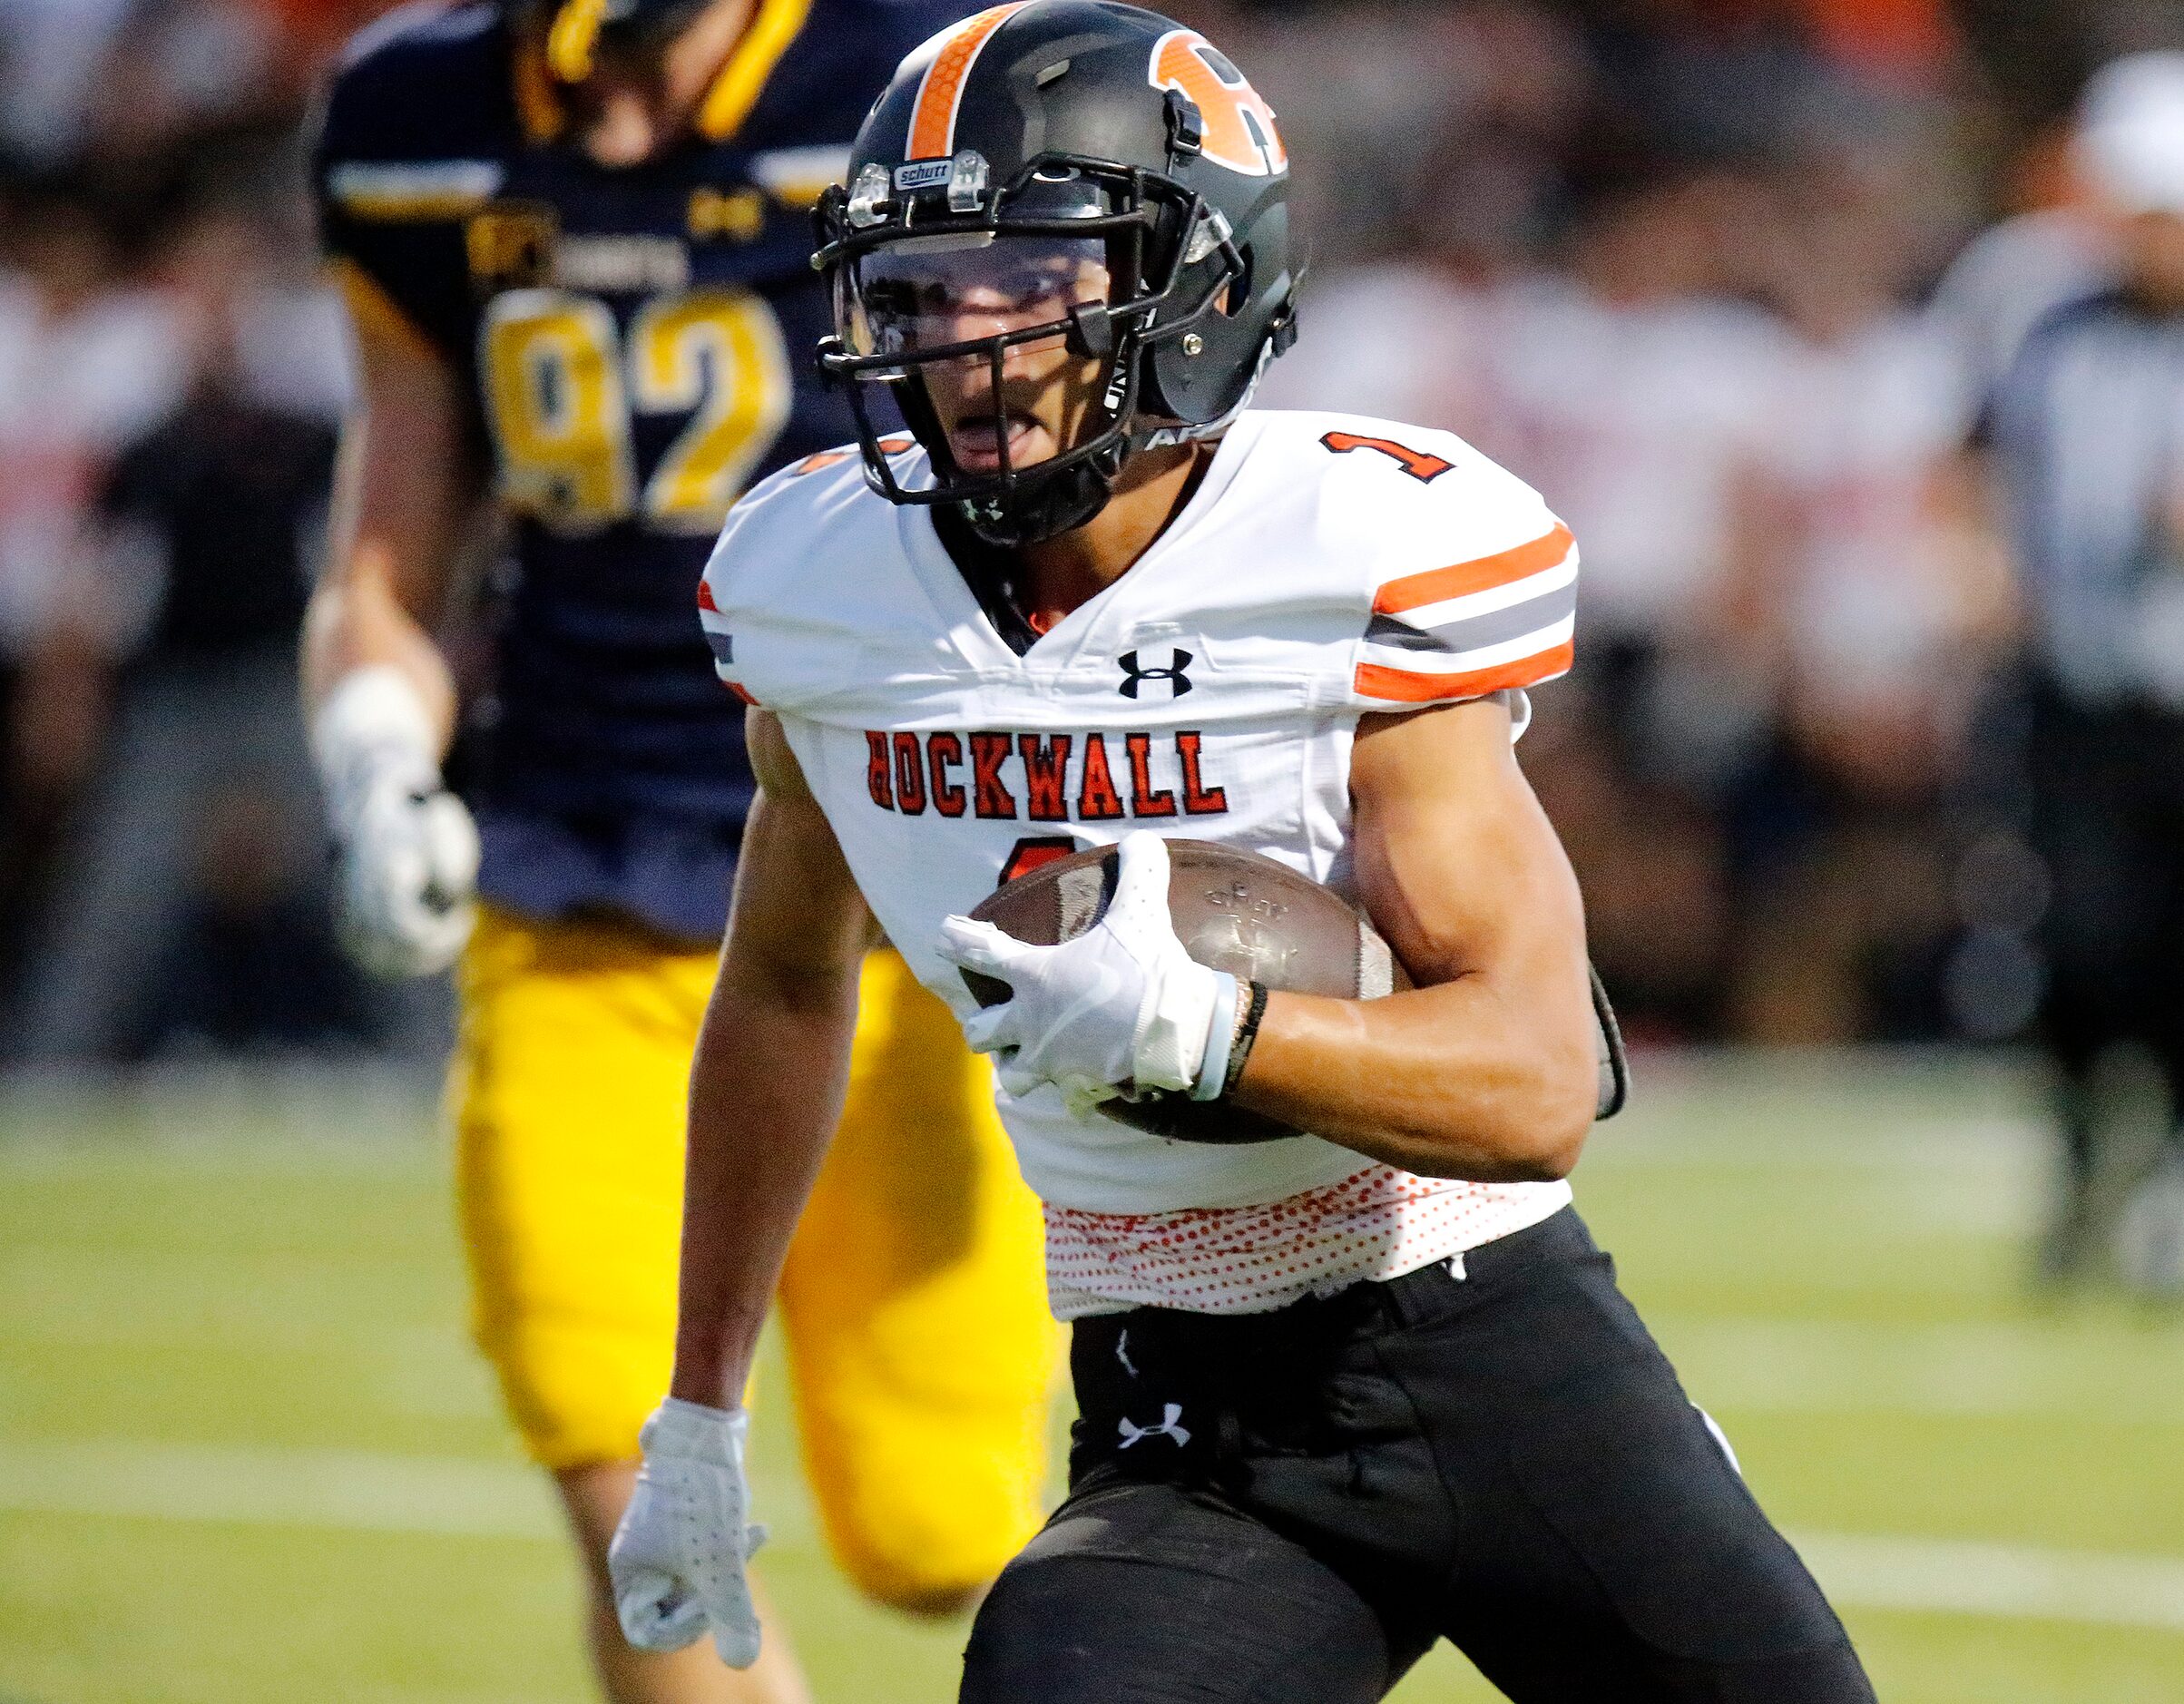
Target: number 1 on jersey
point(1035, 852)
point(1417, 464)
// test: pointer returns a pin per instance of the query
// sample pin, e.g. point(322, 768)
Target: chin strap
point(1614, 1064)
point(1045, 508)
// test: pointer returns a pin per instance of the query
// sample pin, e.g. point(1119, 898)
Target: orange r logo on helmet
point(1239, 124)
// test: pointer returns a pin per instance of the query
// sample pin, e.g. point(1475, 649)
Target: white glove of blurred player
point(406, 850)
point(1120, 1008)
point(679, 1557)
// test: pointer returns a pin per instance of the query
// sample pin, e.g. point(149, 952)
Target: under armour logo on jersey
point(1134, 674)
point(1171, 1413)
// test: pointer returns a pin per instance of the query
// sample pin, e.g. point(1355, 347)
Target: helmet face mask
point(1059, 260)
point(1135, 291)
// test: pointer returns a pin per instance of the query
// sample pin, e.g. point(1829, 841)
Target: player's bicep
point(1455, 862)
point(799, 919)
point(409, 475)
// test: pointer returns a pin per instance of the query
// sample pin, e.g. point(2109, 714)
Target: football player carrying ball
point(1342, 1394)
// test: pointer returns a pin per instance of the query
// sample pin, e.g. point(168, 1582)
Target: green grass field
point(246, 1456)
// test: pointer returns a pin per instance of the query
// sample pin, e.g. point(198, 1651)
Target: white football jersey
point(1328, 566)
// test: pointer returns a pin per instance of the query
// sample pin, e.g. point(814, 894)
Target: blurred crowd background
point(1729, 281)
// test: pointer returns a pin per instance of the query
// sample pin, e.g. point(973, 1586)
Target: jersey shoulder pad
point(427, 86)
point(1465, 583)
point(808, 573)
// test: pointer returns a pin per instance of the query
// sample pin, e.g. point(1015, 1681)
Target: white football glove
point(1120, 1009)
point(407, 848)
point(679, 1557)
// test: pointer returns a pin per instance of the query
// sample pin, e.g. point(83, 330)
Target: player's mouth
point(975, 442)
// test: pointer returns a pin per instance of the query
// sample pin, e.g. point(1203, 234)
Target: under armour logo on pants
point(1168, 1428)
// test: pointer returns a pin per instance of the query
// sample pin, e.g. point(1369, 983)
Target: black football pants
point(2107, 788)
point(1289, 1508)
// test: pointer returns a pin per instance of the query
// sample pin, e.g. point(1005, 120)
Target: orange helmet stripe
point(933, 118)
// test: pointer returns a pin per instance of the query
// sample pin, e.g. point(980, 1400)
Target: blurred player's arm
point(406, 490)
point(378, 691)
point(1968, 514)
point(1486, 1069)
point(767, 1086)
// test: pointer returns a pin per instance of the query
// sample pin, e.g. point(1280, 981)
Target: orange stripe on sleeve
point(740, 693)
point(1405, 686)
point(705, 598)
point(1437, 584)
point(933, 120)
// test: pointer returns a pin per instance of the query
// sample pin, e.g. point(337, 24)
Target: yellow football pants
point(914, 1303)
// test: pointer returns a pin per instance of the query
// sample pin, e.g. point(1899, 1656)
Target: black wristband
point(1247, 1032)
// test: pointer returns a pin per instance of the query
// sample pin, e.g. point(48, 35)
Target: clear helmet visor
point(922, 293)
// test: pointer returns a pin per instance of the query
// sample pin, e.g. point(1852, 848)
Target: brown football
point(1234, 911)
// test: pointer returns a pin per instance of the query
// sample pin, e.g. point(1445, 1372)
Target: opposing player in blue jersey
point(574, 239)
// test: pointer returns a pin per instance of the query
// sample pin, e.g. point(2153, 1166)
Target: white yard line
point(369, 1492)
point(349, 1489)
point(2016, 1582)
point(2092, 1373)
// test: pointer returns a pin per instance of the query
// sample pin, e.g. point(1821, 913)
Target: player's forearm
point(766, 1092)
point(1445, 1082)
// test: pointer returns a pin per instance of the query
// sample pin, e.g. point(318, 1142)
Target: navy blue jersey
point(640, 346)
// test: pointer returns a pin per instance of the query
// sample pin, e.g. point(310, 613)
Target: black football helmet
point(1111, 176)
